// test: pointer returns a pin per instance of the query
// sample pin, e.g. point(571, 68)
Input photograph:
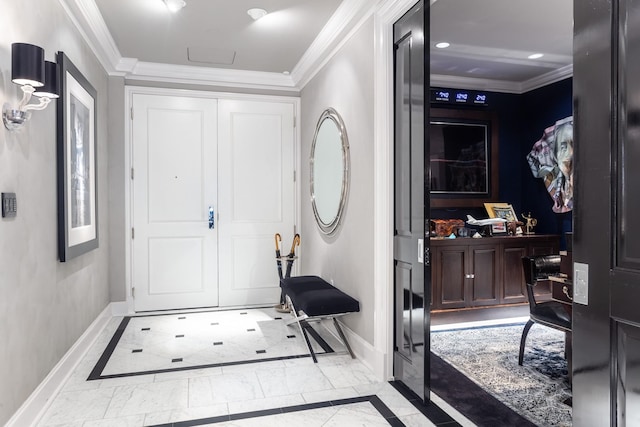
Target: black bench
point(313, 299)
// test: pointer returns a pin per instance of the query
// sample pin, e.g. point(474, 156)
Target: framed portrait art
point(76, 154)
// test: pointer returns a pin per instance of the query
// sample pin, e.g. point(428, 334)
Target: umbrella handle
point(296, 242)
point(278, 240)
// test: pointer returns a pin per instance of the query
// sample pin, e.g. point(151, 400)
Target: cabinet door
point(484, 284)
point(450, 272)
point(513, 285)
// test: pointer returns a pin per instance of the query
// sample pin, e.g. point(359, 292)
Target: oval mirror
point(329, 170)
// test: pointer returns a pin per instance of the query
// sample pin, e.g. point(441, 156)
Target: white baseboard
point(366, 353)
point(120, 309)
point(34, 407)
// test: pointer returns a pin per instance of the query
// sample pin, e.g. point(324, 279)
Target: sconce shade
point(27, 64)
point(50, 88)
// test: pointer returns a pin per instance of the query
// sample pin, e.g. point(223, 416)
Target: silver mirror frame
point(330, 227)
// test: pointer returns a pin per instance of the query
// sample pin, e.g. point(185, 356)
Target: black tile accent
point(432, 411)
point(251, 330)
point(145, 329)
point(255, 414)
point(182, 318)
point(96, 372)
point(261, 351)
point(179, 359)
point(104, 358)
point(180, 336)
point(139, 350)
point(291, 336)
point(243, 313)
point(277, 318)
point(215, 324)
point(393, 420)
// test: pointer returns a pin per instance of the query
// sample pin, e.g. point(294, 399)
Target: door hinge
point(131, 113)
point(294, 176)
point(295, 229)
point(131, 173)
point(133, 292)
point(133, 233)
point(427, 256)
point(295, 121)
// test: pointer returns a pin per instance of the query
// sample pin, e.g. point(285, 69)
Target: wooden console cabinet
point(470, 272)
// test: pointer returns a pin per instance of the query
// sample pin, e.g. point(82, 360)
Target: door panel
point(513, 279)
point(174, 157)
point(453, 267)
point(256, 197)
point(606, 331)
point(411, 203)
point(484, 269)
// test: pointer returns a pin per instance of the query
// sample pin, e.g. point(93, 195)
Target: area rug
point(538, 391)
point(150, 344)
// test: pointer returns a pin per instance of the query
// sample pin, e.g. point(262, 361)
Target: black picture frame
point(76, 162)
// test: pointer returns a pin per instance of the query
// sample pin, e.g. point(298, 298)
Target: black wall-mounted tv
point(463, 157)
point(459, 157)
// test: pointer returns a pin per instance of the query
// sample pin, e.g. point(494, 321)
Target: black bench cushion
point(316, 297)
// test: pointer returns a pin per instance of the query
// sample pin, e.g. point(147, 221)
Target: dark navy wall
point(521, 120)
point(542, 108)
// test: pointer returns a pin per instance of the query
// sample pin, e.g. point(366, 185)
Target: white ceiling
point(220, 32)
point(490, 39)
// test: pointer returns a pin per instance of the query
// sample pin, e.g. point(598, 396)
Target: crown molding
point(86, 17)
point(349, 16)
point(502, 85)
point(547, 78)
point(346, 19)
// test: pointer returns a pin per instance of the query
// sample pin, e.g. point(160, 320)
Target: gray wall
point(45, 305)
point(346, 84)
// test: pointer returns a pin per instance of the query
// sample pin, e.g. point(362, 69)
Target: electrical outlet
point(581, 283)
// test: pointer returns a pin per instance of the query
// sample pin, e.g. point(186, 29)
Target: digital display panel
point(457, 96)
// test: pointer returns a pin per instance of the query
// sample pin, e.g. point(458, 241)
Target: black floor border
point(96, 372)
point(471, 400)
point(468, 328)
point(374, 400)
point(433, 412)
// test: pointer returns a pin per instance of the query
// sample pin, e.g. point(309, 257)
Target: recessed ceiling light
point(256, 13)
point(535, 56)
point(286, 73)
point(442, 45)
point(174, 5)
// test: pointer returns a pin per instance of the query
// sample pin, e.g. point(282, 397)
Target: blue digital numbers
point(450, 96)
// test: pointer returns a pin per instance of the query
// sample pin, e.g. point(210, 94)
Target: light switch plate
point(581, 283)
point(9, 205)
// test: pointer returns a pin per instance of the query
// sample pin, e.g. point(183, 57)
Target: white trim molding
point(38, 402)
point(86, 17)
point(388, 13)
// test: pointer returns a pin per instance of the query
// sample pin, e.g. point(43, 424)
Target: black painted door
point(606, 335)
point(411, 250)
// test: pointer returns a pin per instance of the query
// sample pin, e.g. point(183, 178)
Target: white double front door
point(196, 155)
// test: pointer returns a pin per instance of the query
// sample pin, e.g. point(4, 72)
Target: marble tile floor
point(337, 391)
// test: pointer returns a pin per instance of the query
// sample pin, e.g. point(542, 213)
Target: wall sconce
point(36, 77)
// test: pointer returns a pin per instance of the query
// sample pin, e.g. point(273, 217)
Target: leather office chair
point(549, 313)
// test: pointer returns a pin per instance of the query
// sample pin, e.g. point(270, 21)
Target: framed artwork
point(502, 210)
point(77, 162)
